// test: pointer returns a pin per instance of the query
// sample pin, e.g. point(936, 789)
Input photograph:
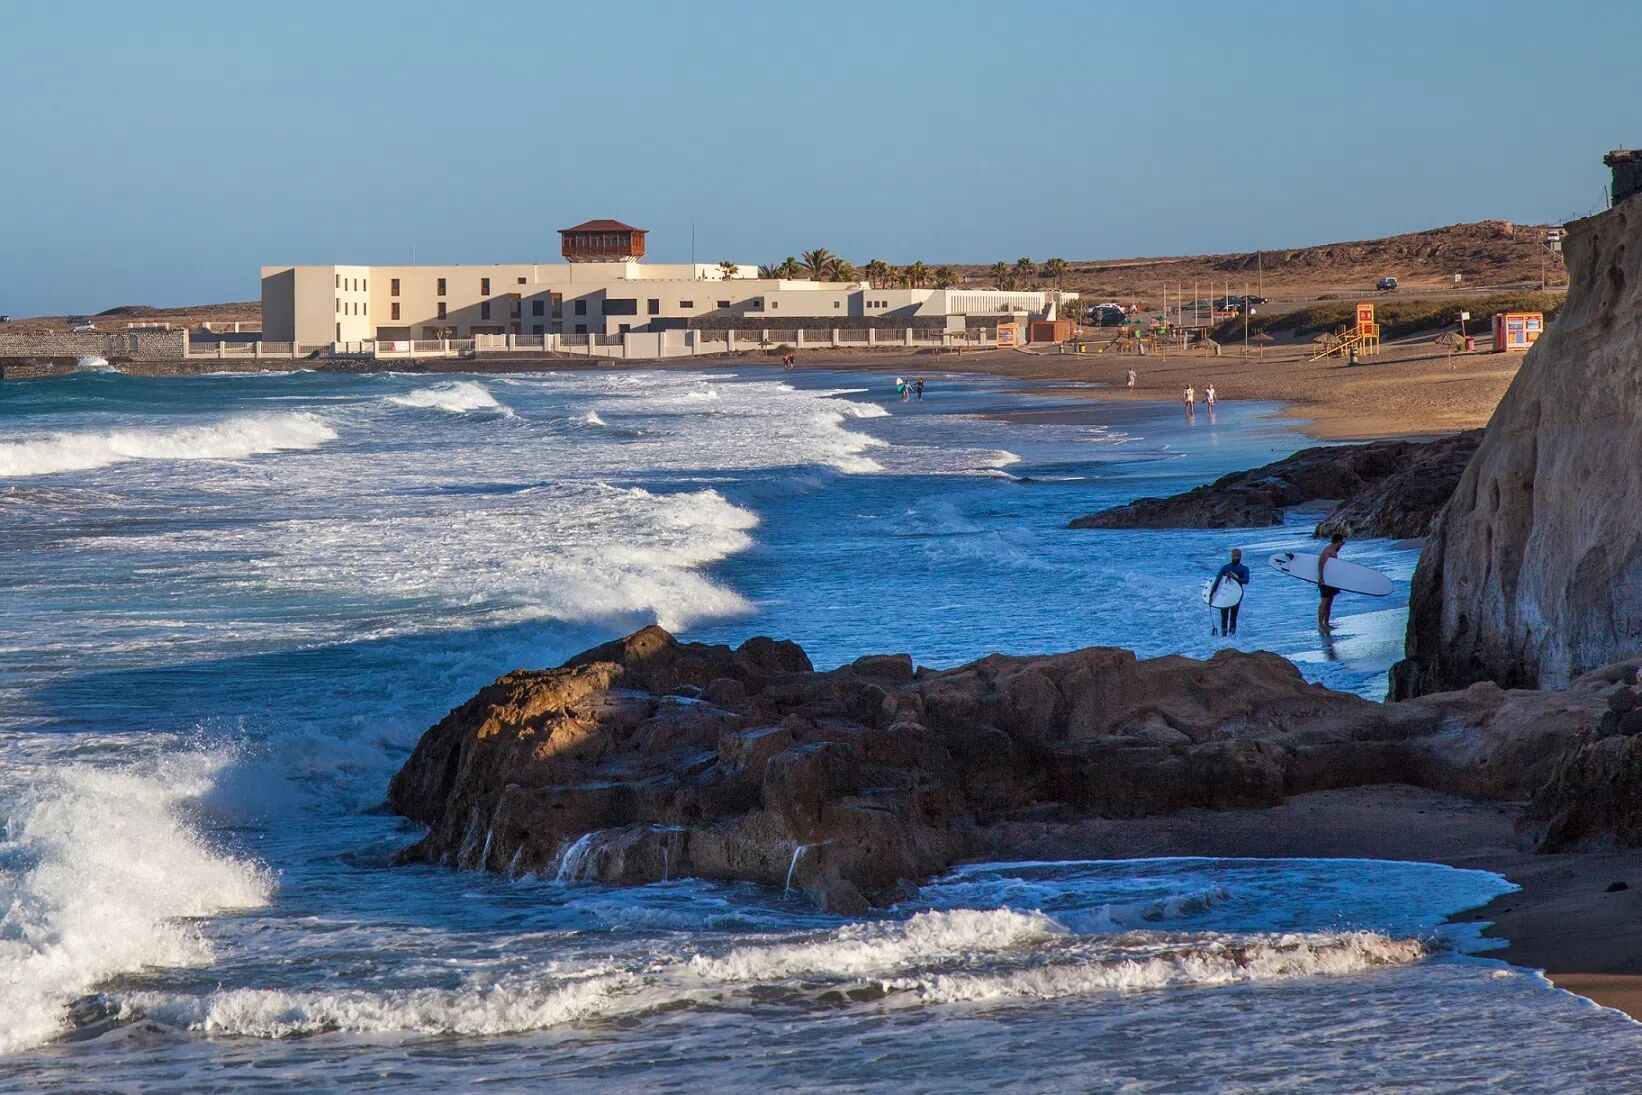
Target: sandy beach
point(1413, 389)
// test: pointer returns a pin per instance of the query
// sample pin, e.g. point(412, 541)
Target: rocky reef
point(647, 758)
point(1533, 573)
point(1383, 488)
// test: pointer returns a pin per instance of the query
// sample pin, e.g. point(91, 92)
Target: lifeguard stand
point(1364, 338)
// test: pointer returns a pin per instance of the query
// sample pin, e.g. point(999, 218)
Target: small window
point(521, 282)
point(484, 287)
point(339, 332)
point(581, 328)
point(365, 308)
point(393, 287)
point(581, 310)
point(837, 304)
point(365, 284)
point(537, 308)
point(339, 281)
point(774, 304)
point(723, 304)
point(395, 309)
point(624, 328)
point(440, 289)
point(686, 304)
point(556, 328)
point(654, 306)
point(441, 310)
point(338, 305)
point(535, 328)
point(621, 306)
point(484, 309)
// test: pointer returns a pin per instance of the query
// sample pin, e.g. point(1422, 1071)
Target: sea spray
point(797, 853)
point(457, 397)
point(100, 867)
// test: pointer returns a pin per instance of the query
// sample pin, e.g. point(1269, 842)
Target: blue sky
point(158, 152)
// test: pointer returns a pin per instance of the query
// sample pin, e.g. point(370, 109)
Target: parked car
point(1386, 284)
point(80, 323)
point(4, 318)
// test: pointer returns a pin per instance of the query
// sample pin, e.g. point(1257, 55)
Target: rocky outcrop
point(648, 758)
point(1534, 571)
point(1384, 488)
point(1593, 797)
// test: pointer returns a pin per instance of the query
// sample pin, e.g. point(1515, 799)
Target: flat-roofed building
point(604, 288)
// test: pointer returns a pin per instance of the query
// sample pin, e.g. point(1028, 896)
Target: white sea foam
point(227, 439)
point(862, 410)
point(1216, 962)
point(107, 863)
point(457, 397)
point(592, 418)
point(93, 363)
point(883, 948)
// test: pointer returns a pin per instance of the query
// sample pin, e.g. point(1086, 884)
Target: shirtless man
point(1325, 607)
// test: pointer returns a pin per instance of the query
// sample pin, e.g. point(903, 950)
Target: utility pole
point(1246, 311)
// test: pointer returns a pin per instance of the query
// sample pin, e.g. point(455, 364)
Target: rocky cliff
point(648, 758)
point(1533, 572)
point(1382, 488)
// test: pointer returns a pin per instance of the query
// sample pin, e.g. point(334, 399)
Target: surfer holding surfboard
point(1226, 592)
point(1325, 606)
point(1331, 575)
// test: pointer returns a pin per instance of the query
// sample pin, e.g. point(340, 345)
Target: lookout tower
point(602, 241)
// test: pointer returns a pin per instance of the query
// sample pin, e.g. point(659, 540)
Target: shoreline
point(1414, 390)
point(1562, 921)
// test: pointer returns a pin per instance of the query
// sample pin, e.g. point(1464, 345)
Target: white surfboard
point(1343, 576)
point(1229, 595)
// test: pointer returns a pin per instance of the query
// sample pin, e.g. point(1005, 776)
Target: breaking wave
point(457, 397)
point(228, 439)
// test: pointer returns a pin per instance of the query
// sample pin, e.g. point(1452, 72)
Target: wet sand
point(1562, 921)
point(1410, 390)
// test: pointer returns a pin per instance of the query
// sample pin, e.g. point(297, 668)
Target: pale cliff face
point(1534, 571)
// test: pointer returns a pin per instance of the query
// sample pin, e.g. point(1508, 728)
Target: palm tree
point(917, 274)
point(768, 272)
point(945, 277)
point(878, 273)
point(1057, 269)
point(817, 262)
point(728, 269)
point(1002, 276)
point(790, 268)
point(843, 270)
point(1024, 269)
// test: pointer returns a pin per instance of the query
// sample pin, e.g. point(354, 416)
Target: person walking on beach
point(1325, 607)
point(1189, 396)
point(901, 388)
point(1208, 395)
point(918, 387)
point(1237, 572)
point(1131, 380)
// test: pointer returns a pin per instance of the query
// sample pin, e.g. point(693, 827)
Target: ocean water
point(230, 605)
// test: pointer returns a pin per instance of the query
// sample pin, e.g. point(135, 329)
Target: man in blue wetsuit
point(1237, 572)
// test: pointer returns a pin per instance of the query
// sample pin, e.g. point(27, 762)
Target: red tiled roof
point(603, 226)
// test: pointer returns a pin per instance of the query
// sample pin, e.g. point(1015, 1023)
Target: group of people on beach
point(906, 389)
point(1236, 571)
point(1189, 397)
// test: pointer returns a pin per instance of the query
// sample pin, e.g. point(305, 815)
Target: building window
point(339, 332)
point(365, 308)
point(521, 282)
point(723, 304)
point(484, 309)
point(621, 306)
point(537, 308)
point(535, 328)
point(393, 287)
point(365, 284)
point(581, 310)
point(686, 304)
point(440, 290)
point(581, 328)
point(774, 304)
point(338, 305)
point(624, 328)
point(441, 314)
point(755, 303)
point(484, 287)
point(395, 307)
point(837, 304)
point(556, 328)
point(339, 281)
point(654, 306)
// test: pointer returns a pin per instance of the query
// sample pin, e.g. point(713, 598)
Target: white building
point(604, 287)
